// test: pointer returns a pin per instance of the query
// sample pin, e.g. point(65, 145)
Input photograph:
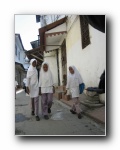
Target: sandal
point(79, 116)
point(32, 113)
point(37, 118)
point(72, 111)
point(46, 117)
point(49, 110)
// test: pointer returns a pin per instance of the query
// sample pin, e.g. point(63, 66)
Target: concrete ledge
point(60, 88)
point(92, 105)
point(69, 103)
point(58, 95)
point(97, 114)
point(65, 97)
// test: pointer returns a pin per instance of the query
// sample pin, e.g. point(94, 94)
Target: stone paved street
point(61, 121)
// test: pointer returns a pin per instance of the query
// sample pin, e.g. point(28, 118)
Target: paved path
point(61, 121)
point(98, 114)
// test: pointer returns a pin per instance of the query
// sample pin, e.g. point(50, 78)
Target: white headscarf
point(31, 69)
point(76, 75)
point(46, 79)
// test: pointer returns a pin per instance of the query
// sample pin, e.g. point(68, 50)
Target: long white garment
point(16, 83)
point(46, 80)
point(24, 81)
point(32, 80)
point(73, 82)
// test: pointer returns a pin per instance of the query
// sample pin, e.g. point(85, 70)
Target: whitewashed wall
point(60, 67)
point(90, 61)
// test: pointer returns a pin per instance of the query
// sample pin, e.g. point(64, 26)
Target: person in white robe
point(46, 89)
point(32, 88)
point(24, 84)
point(73, 80)
point(16, 84)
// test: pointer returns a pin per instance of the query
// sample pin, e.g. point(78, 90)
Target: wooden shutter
point(63, 48)
point(84, 32)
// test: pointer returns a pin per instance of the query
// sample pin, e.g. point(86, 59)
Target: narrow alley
point(61, 121)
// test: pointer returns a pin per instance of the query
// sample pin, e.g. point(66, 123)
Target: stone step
point(92, 105)
point(92, 101)
point(61, 88)
point(58, 95)
point(69, 103)
point(66, 97)
point(59, 91)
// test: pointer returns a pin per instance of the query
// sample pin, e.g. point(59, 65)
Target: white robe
point(32, 80)
point(16, 83)
point(24, 81)
point(46, 80)
point(73, 82)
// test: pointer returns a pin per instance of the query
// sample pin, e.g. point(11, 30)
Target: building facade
point(48, 19)
point(91, 60)
point(21, 61)
point(74, 42)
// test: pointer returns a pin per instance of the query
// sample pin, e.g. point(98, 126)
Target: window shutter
point(84, 32)
point(63, 48)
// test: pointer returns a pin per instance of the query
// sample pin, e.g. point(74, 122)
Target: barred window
point(84, 32)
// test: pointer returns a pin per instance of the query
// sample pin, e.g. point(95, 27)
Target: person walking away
point(16, 84)
point(24, 84)
point(32, 88)
point(46, 89)
point(73, 81)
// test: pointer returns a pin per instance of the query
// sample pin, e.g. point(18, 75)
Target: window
point(19, 55)
point(84, 32)
point(16, 50)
